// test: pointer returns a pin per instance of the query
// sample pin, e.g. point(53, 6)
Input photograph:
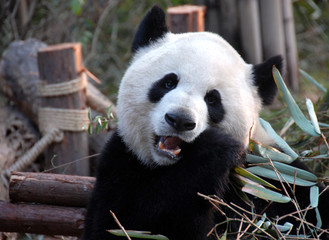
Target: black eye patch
point(215, 107)
point(162, 86)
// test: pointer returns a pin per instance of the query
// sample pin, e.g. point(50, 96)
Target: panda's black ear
point(152, 27)
point(263, 78)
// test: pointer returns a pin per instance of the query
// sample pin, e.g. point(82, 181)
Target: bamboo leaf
point(105, 125)
point(290, 170)
point(315, 157)
point(245, 173)
point(270, 152)
point(256, 159)
point(261, 221)
point(312, 114)
point(97, 128)
point(299, 236)
point(89, 115)
point(90, 129)
point(138, 234)
point(277, 139)
point(285, 227)
point(108, 112)
point(97, 118)
point(287, 125)
point(270, 173)
point(267, 224)
point(324, 125)
point(318, 218)
point(295, 111)
point(237, 185)
point(314, 196)
point(99, 121)
point(265, 193)
point(312, 80)
point(224, 237)
point(283, 168)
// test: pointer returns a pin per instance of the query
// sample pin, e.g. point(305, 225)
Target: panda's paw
point(215, 137)
point(214, 144)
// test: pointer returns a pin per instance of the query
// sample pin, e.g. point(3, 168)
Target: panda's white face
point(178, 87)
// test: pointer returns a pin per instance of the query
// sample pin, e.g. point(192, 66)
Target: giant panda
point(187, 105)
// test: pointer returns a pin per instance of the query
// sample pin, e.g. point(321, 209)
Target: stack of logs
point(44, 203)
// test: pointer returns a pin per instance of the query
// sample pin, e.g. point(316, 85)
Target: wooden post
point(61, 63)
point(250, 31)
point(291, 45)
point(229, 23)
point(272, 28)
point(41, 219)
point(186, 18)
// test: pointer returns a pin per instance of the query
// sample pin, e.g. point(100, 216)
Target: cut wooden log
point(57, 64)
point(41, 219)
point(53, 189)
point(187, 18)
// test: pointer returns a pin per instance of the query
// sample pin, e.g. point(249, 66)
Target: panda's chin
point(169, 147)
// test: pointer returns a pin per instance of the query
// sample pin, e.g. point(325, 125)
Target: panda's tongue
point(170, 145)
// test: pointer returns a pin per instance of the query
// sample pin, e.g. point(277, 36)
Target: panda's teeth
point(161, 146)
point(177, 151)
point(164, 148)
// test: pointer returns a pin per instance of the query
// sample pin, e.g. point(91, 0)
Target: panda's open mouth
point(169, 146)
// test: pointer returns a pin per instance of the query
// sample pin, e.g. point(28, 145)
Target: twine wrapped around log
point(64, 119)
point(59, 89)
point(58, 118)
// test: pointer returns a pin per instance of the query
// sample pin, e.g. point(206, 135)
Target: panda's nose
point(180, 122)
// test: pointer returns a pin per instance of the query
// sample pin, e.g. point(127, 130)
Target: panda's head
point(178, 85)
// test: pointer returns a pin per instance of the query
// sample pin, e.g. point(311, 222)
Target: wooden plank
point(60, 63)
point(53, 189)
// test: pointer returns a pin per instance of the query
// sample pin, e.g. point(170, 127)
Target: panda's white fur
point(202, 61)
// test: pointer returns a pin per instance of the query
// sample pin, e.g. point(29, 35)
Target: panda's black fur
point(164, 199)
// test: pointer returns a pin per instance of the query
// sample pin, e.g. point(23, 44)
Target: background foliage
point(106, 28)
